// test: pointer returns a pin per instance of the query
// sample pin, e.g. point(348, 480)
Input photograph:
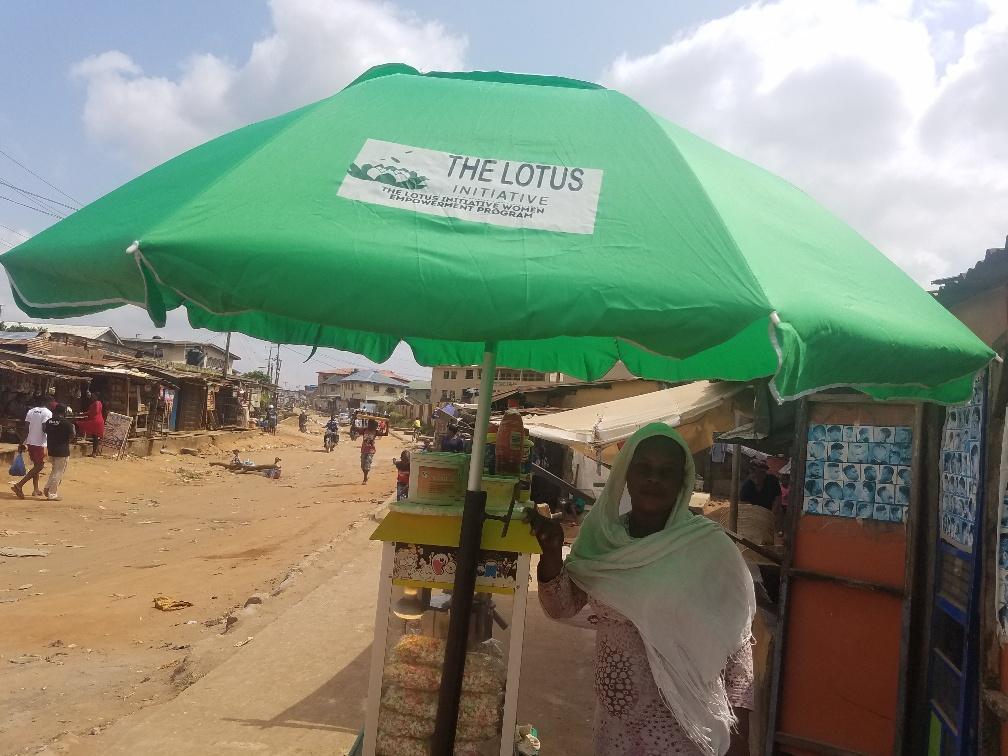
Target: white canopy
point(697, 410)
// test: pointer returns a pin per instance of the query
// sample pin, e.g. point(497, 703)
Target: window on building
point(444, 393)
point(454, 374)
point(452, 393)
point(532, 375)
point(470, 374)
point(446, 375)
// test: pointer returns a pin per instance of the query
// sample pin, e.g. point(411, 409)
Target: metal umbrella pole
point(473, 516)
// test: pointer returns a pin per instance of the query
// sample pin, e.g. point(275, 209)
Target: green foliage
point(257, 375)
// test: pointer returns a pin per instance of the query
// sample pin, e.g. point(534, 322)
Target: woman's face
point(655, 476)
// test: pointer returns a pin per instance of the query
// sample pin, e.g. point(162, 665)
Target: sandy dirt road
point(81, 644)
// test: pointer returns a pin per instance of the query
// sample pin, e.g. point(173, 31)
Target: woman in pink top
point(672, 601)
point(93, 423)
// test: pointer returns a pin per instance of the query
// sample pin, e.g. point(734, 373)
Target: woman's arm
point(559, 597)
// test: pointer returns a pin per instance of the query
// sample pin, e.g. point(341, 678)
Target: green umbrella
point(560, 220)
point(540, 222)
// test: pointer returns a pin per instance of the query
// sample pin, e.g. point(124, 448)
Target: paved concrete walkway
point(299, 686)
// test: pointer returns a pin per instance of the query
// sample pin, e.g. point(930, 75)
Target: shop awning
point(697, 410)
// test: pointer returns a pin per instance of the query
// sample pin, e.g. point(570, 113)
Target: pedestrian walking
point(60, 434)
point(367, 451)
point(35, 438)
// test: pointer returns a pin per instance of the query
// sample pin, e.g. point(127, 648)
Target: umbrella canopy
point(555, 218)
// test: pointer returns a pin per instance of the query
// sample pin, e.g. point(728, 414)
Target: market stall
point(20, 383)
point(419, 559)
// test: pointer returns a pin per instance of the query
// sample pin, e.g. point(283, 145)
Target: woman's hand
point(550, 534)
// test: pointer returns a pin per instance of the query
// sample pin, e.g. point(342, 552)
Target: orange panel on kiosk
point(860, 549)
point(841, 676)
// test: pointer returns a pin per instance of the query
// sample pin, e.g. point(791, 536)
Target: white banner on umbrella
point(500, 191)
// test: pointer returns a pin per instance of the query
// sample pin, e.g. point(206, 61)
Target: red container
point(510, 444)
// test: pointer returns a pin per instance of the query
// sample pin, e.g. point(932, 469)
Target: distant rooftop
point(419, 385)
point(84, 331)
point(178, 342)
point(366, 376)
point(18, 335)
point(989, 272)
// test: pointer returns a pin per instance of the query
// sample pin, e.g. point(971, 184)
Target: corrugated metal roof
point(989, 272)
point(84, 331)
point(366, 376)
point(18, 335)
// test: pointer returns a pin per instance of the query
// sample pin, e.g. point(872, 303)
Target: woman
point(674, 604)
point(367, 451)
point(93, 422)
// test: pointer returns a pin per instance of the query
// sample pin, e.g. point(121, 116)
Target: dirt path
point(81, 644)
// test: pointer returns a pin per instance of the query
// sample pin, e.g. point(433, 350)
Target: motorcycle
point(330, 441)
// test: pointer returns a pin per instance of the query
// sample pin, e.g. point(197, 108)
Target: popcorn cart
point(419, 559)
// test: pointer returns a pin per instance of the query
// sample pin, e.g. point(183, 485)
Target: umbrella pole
point(473, 515)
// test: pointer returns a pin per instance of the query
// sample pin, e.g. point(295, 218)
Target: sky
point(891, 113)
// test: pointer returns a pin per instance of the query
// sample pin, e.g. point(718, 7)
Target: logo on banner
point(501, 192)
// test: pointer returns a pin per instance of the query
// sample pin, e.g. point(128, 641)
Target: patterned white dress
point(630, 717)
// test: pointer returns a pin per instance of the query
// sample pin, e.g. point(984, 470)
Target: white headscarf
point(686, 589)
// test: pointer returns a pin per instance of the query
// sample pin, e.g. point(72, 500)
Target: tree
point(257, 375)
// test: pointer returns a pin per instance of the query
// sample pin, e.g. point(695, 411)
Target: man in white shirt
point(35, 438)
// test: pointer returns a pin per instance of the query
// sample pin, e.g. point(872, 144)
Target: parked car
point(344, 418)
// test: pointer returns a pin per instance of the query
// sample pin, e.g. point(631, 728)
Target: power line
point(51, 186)
point(350, 363)
point(34, 203)
point(32, 207)
point(38, 196)
point(15, 231)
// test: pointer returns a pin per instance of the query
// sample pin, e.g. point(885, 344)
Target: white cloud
point(315, 48)
point(857, 103)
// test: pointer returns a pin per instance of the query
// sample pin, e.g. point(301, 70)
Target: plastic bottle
point(525, 489)
point(490, 455)
point(509, 447)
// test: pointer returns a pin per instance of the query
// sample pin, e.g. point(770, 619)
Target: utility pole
point(276, 393)
point(227, 355)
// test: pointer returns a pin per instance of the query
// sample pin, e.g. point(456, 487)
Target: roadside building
point(419, 391)
point(364, 387)
point(196, 354)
